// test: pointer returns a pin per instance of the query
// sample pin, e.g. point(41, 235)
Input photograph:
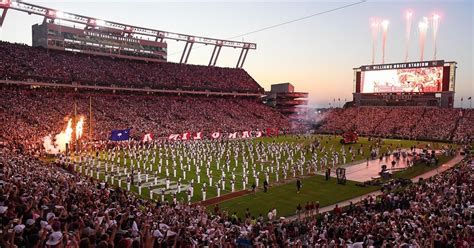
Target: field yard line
point(358, 199)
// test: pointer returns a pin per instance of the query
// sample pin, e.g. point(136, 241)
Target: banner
point(147, 137)
point(272, 131)
point(218, 135)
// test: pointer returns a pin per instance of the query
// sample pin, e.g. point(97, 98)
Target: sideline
point(358, 199)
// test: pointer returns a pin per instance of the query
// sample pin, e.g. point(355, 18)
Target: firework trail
point(435, 25)
point(408, 24)
point(375, 27)
point(422, 27)
point(384, 38)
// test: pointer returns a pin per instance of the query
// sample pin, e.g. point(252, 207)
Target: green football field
point(285, 198)
point(315, 188)
point(277, 156)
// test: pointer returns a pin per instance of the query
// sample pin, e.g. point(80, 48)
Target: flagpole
point(90, 118)
point(75, 112)
point(75, 122)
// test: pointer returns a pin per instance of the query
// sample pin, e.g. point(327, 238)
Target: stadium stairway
point(456, 125)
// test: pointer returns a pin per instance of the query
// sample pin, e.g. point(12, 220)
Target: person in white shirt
point(270, 215)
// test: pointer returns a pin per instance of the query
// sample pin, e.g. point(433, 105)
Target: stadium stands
point(22, 62)
point(46, 205)
point(43, 204)
point(28, 115)
point(166, 114)
point(430, 123)
point(465, 126)
point(435, 213)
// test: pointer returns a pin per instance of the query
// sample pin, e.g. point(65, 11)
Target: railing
point(115, 88)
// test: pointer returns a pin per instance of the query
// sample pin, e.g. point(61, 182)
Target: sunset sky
point(316, 54)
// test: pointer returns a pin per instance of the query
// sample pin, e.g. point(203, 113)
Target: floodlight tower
point(4, 5)
point(139, 33)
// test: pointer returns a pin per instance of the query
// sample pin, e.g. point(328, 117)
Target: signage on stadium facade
point(407, 65)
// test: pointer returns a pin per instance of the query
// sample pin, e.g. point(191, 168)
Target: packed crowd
point(430, 123)
point(28, 115)
point(45, 205)
point(437, 212)
point(465, 126)
point(22, 62)
point(42, 205)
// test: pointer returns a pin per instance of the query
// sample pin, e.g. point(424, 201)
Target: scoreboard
point(429, 83)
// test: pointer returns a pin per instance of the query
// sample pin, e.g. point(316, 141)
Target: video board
point(420, 79)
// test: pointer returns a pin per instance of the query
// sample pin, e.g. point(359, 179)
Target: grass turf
point(420, 169)
point(282, 196)
point(316, 188)
point(285, 198)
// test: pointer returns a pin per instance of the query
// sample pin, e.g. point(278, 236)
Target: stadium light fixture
point(5, 3)
point(59, 14)
point(51, 13)
point(140, 32)
point(100, 22)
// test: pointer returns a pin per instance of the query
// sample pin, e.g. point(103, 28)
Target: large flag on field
point(119, 135)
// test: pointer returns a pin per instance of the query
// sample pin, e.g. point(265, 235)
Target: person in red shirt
point(337, 210)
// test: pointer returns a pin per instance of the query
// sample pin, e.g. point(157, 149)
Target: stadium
point(106, 142)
